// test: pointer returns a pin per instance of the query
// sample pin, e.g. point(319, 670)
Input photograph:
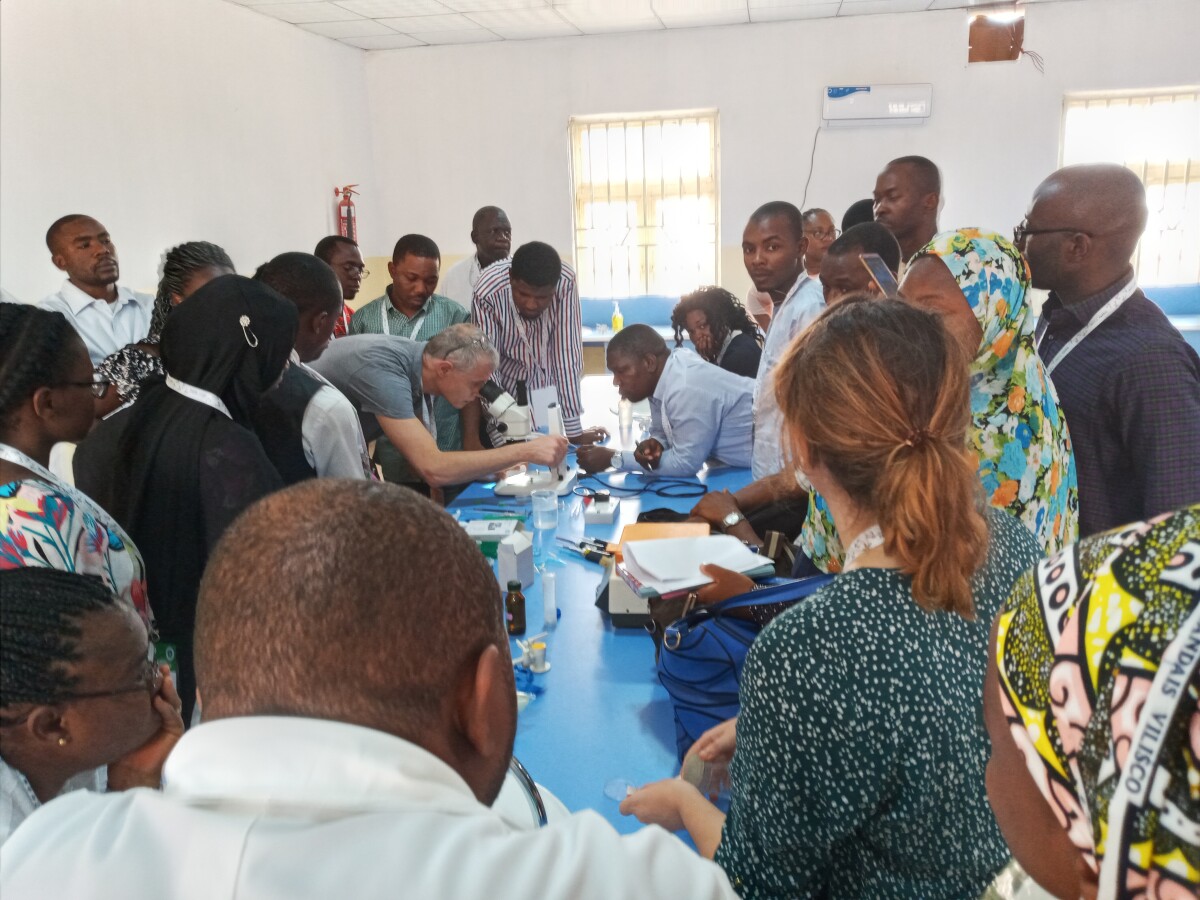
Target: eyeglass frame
point(351, 267)
point(1021, 231)
point(151, 681)
point(99, 386)
point(821, 234)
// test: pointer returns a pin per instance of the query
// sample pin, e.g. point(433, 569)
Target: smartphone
point(881, 274)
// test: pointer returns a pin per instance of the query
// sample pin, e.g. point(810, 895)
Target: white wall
point(458, 127)
point(171, 120)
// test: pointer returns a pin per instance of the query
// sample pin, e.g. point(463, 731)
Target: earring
point(62, 742)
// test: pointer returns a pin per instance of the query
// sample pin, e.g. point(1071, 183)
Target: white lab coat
point(295, 808)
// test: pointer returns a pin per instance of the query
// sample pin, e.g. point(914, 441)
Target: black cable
point(812, 157)
point(669, 488)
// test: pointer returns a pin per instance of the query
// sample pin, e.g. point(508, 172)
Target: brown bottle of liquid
point(514, 608)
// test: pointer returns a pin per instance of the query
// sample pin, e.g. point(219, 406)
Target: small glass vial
point(514, 608)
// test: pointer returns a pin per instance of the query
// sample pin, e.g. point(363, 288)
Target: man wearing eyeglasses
point(1128, 383)
point(491, 233)
point(821, 232)
point(343, 256)
point(107, 315)
point(392, 382)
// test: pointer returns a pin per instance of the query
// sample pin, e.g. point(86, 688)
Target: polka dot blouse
point(861, 749)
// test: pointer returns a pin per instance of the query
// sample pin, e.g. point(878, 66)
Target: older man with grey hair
point(391, 381)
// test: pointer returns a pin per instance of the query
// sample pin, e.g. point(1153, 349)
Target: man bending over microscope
point(391, 381)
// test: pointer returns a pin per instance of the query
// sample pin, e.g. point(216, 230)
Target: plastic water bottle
point(625, 414)
point(618, 320)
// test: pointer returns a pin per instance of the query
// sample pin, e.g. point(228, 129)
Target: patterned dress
point(861, 751)
point(1078, 647)
point(129, 368)
point(1026, 462)
point(41, 526)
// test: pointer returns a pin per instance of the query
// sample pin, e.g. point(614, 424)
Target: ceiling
point(397, 24)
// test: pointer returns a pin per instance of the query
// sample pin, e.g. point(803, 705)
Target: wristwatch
point(732, 519)
point(617, 460)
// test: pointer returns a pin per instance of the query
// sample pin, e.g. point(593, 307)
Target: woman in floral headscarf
point(1092, 701)
point(1026, 462)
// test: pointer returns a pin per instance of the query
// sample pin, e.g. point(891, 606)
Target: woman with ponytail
point(859, 769)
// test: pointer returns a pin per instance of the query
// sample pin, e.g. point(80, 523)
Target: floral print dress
point(41, 525)
point(1026, 463)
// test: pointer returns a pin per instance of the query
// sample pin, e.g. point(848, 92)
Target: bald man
point(359, 715)
point(491, 233)
point(1127, 381)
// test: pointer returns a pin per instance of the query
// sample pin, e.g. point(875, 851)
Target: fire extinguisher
point(346, 216)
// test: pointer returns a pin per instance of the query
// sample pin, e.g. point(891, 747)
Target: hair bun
point(917, 437)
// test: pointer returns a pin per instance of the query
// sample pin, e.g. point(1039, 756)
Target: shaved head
point(1104, 199)
point(352, 601)
point(1082, 228)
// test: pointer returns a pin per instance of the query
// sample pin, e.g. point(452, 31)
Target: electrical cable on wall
point(812, 157)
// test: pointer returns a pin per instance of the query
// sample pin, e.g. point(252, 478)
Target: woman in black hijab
point(178, 466)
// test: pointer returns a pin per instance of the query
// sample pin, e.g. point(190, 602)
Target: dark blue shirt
point(1130, 392)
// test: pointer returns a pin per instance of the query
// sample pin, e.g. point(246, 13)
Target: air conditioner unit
point(877, 104)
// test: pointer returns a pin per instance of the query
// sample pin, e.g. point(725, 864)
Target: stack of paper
point(672, 566)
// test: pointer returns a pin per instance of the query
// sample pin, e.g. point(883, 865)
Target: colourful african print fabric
point(1079, 645)
point(1026, 463)
point(43, 527)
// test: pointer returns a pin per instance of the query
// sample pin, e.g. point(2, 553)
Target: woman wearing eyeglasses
point(47, 395)
point(82, 704)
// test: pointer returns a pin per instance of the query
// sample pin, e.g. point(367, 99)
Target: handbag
point(701, 656)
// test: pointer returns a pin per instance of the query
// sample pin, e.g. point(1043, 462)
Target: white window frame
point(1169, 252)
point(645, 254)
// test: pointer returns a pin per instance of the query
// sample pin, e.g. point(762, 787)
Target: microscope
point(513, 418)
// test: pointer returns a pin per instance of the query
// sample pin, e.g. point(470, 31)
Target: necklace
point(868, 540)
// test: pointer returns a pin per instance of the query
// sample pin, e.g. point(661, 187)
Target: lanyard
point(725, 345)
point(416, 323)
point(208, 398)
point(868, 540)
point(432, 420)
point(1167, 692)
point(13, 455)
point(1092, 324)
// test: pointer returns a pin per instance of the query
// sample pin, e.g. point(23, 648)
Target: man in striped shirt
point(528, 306)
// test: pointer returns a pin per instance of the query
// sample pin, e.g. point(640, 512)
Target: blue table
point(602, 714)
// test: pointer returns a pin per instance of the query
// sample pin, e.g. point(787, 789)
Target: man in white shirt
point(773, 245)
point(491, 233)
point(107, 315)
point(698, 411)
point(359, 715)
point(307, 427)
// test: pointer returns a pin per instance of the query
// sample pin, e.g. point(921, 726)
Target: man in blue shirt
point(1128, 382)
point(107, 315)
point(698, 411)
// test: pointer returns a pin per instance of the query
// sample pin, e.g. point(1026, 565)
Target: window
point(645, 212)
point(1157, 136)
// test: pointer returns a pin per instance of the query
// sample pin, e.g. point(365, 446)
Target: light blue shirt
point(799, 309)
point(105, 327)
point(699, 412)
